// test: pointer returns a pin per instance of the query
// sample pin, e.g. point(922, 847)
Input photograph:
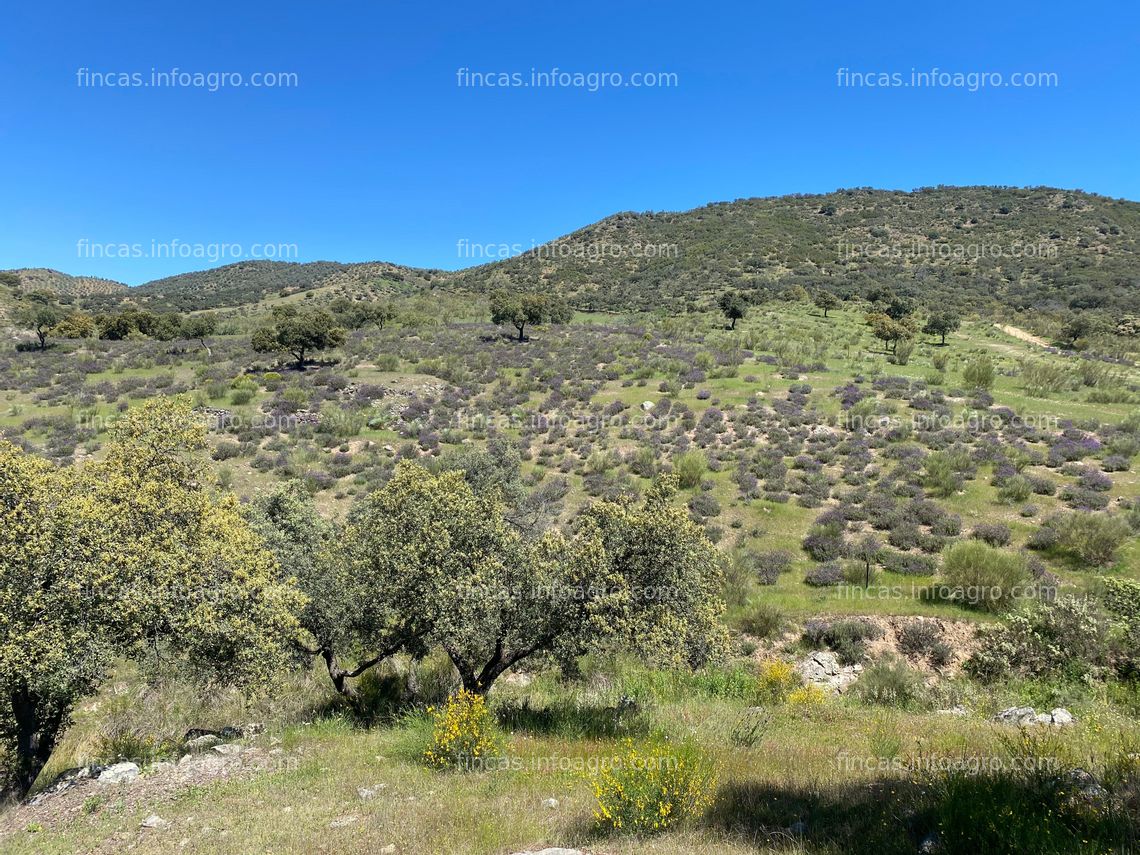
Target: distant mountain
point(249, 282)
point(43, 279)
point(971, 246)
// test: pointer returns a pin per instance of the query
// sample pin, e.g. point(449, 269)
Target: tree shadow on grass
point(575, 721)
point(955, 814)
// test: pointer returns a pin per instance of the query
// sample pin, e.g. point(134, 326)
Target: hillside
point(44, 279)
point(1038, 247)
point(252, 281)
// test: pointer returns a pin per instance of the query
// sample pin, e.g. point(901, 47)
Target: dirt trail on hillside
point(1022, 334)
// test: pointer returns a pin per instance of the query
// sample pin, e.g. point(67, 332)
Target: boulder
point(647, 405)
point(550, 804)
point(1062, 717)
point(155, 821)
point(1017, 716)
point(822, 669)
point(203, 743)
point(119, 773)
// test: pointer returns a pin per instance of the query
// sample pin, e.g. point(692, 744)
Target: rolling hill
point(976, 246)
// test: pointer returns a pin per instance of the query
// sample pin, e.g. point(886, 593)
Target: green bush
point(763, 620)
point(983, 577)
point(1092, 538)
point(1062, 638)
point(979, 373)
point(690, 467)
point(890, 683)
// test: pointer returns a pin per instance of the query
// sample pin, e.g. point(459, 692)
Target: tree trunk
point(300, 359)
point(520, 329)
point(37, 730)
point(206, 347)
point(943, 339)
point(337, 674)
point(732, 326)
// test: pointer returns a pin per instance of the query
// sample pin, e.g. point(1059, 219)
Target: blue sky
point(378, 152)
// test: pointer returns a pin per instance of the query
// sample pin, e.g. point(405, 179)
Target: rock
point(1017, 715)
point(119, 773)
point(550, 803)
point(930, 844)
point(1044, 718)
point(822, 669)
point(342, 821)
point(203, 743)
point(228, 749)
point(647, 405)
point(155, 821)
point(1085, 786)
point(553, 850)
point(366, 793)
point(388, 850)
point(1062, 717)
point(160, 767)
point(958, 711)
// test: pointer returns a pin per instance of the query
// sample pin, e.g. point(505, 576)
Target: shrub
point(689, 467)
point(652, 789)
point(1015, 490)
point(824, 542)
point(241, 396)
point(764, 621)
point(1065, 637)
point(807, 696)
point(824, 575)
point(890, 683)
point(983, 577)
point(769, 565)
point(906, 564)
point(463, 732)
point(226, 450)
point(777, 679)
point(979, 374)
point(1093, 538)
point(995, 534)
point(847, 637)
point(921, 638)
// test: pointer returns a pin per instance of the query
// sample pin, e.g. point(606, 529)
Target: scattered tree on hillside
point(355, 314)
point(942, 324)
point(127, 557)
point(198, 328)
point(1080, 326)
point(826, 301)
point(522, 308)
point(298, 333)
point(76, 325)
point(40, 316)
point(643, 579)
point(890, 331)
point(734, 306)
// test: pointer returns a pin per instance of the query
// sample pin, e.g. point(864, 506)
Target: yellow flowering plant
point(652, 788)
point(463, 732)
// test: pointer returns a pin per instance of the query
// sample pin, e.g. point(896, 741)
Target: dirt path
point(1022, 334)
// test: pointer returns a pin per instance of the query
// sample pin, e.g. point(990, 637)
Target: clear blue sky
point(379, 154)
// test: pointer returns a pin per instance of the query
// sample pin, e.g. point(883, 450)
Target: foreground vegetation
point(472, 564)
